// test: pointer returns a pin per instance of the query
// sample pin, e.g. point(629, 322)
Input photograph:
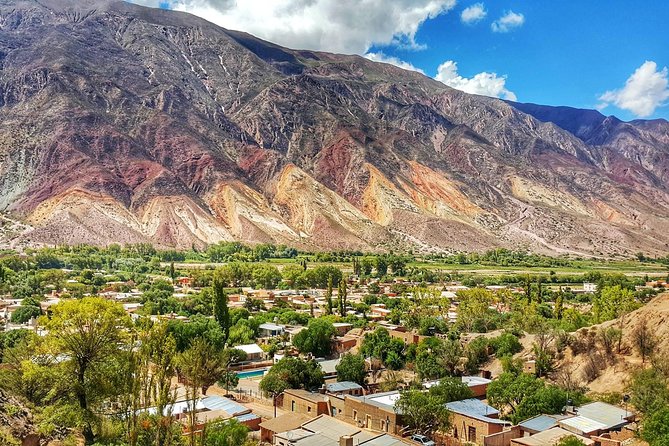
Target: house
point(408, 337)
point(540, 423)
point(211, 408)
point(589, 288)
point(376, 411)
point(283, 423)
point(305, 402)
point(268, 330)
point(345, 343)
point(473, 419)
point(253, 351)
point(344, 388)
point(596, 418)
point(477, 384)
point(329, 367)
point(549, 437)
point(328, 431)
point(342, 328)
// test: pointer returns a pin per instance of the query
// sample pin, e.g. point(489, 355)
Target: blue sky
point(576, 53)
point(565, 52)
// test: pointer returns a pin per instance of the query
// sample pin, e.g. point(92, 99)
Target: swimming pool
point(251, 373)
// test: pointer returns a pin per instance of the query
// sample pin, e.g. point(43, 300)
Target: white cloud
point(392, 60)
point(508, 22)
point(345, 26)
point(645, 90)
point(487, 84)
point(473, 14)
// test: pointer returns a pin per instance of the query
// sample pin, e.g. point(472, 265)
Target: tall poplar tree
point(221, 310)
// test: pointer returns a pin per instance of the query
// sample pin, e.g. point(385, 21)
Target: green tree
point(341, 297)
point(220, 305)
point(91, 332)
point(649, 390)
point(24, 313)
point(316, 338)
point(328, 296)
point(200, 366)
point(570, 440)
point(225, 433)
point(291, 373)
point(655, 429)
point(352, 368)
point(423, 412)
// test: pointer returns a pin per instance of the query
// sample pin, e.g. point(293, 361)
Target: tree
point(425, 412)
point(201, 366)
point(381, 265)
point(266, 276)
point(570, 440)
point(220, 305)
point(291, 373)
point(225, 433)
point(91, 332)
point(316, 338)
point(229, 380)
point(506, 344)
point(649, 390)
point(643, 339)
point(328, 296)
point(655, 429)
point(474, 312)
point(351, 368)
point(451, 389)
point(508, 391)
point(613, 302)
point(342, 294)
point(24, 313)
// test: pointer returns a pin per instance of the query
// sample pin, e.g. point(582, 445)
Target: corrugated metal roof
point(221, 403)
point(330, 427)
point(247, 417)
point(609, 415)
point(342, 386)
point(581, 424)
point(539, 423)
point(476, 409)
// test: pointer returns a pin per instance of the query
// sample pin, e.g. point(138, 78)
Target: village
point(342, 412)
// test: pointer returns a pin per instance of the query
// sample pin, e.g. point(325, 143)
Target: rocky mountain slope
point(127, 124)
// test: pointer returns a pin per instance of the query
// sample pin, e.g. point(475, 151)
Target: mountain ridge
point(130, 124)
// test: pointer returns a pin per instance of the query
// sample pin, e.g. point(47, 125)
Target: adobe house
point(472, 420)
point(305, 402)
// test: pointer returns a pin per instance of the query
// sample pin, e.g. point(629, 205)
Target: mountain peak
point(144, 125)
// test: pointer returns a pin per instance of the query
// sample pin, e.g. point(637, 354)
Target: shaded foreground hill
point(128, 124)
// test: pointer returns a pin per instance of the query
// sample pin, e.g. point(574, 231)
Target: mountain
point(127, 124)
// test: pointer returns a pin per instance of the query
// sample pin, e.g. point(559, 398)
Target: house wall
point(503, 438)
point(462, 425)
point(479, 391)
point(294, 403)
point(372, 417)
point(338, 406)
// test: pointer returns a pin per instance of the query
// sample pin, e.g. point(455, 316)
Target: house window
point(292, 406)
point(368, 421)
point(387, 424)
point(334, 411)
point(309, 409)
point(355, 415)
point(472, 434)
point(455, 432)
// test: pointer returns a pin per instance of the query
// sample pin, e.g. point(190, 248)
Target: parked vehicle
point(422, 439)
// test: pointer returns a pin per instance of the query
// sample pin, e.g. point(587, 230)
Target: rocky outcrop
point(128, 124)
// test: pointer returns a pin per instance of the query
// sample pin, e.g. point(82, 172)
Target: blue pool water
point(251, 373)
